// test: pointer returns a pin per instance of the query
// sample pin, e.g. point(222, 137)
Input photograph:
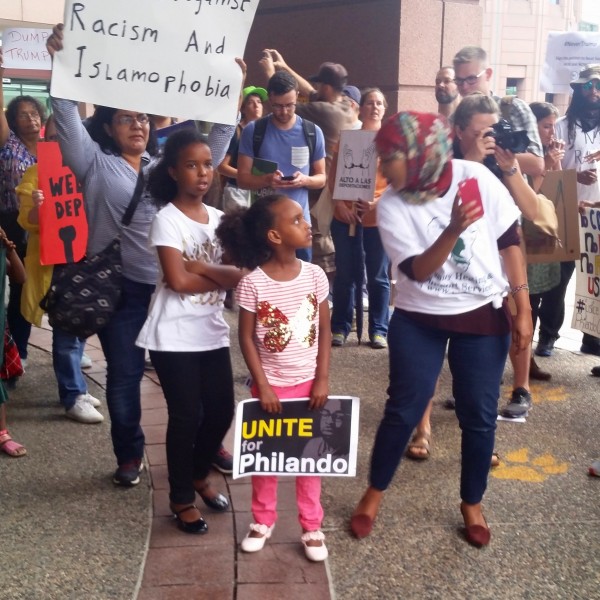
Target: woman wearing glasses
point(107, 159)
point(20, 128)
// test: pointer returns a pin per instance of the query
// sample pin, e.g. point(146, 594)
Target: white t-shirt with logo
point(575, 153)
point(185, 322)
point(473, 275)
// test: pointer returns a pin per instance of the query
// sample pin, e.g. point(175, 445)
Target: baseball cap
point(587, 74)
point(332, 74)
point(352, 92)
point(260, 92)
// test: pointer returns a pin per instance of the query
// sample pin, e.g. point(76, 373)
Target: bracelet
point(518, 288)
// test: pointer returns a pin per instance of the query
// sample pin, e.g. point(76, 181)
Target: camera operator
point(476, 139)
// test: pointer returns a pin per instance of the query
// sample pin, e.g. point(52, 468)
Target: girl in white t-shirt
point(285, 338)
point(185, 331)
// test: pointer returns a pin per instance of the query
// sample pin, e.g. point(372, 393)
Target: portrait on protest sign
point(298, 441)
point(164, 57)
point(586, 312)
point(63, 222)
point(356, 166)
point(25, 48)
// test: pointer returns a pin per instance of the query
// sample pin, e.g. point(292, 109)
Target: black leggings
point(198, 388)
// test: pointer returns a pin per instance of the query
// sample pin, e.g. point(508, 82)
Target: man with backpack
point(293, 148)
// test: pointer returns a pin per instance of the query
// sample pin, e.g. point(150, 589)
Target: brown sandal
point(419, 446)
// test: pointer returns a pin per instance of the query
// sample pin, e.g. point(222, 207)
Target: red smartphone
point(468, 190)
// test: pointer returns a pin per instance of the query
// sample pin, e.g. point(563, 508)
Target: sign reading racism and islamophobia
point(165, 57)
point(586, 311)
point(26, 49)
point(567, 53)
point(63, 222)
point(356, 166)
point(297, 441)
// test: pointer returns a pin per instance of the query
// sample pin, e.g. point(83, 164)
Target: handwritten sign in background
point(586, 313)
point(26, 49)
point(566, 55)
point(356, 166)
point(165, 57)
point(63, 223)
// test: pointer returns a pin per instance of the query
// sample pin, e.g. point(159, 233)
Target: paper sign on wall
point(356, 166)
point(63, 223)
point(165, 57)
point(26, 49)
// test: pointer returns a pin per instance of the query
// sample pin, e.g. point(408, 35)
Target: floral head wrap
point(424, 140)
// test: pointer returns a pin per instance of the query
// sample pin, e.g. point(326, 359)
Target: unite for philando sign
point(164, 57)
point(297, 441)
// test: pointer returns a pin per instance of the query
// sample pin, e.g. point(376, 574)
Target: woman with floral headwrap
point(455, 262)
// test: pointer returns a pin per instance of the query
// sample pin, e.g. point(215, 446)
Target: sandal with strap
point(9, 446)
point(419, 446)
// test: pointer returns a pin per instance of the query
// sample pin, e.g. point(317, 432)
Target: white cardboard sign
point(165, 57)
point(26, 49)
point(566, 55)
point(356, 166)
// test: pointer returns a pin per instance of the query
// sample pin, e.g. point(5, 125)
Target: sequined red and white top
point(287, 321)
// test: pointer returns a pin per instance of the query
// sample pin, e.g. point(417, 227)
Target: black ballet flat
point(218, 502)
point(198, 527)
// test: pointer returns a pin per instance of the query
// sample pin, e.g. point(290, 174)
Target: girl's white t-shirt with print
point(185, 322)
point(473, 274)
point(287, 321)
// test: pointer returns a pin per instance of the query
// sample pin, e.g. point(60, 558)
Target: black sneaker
point(223, 461)
point(519, 405)
point(128, 474)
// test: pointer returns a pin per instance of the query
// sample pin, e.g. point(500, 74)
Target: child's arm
point(225, 277)
point(178, 278)
point(320, 388)
point(14, 266)
point(247, 324)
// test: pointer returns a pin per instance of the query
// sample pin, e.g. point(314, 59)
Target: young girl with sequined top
point(285, 338)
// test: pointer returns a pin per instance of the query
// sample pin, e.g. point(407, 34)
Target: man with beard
point(580, 128)
point(446, 91)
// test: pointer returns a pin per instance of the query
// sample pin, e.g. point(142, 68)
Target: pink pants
point(308, 488)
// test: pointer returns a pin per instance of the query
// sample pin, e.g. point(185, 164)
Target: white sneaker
point(254, 544)
point(83, 411)
point(93, 401)
point(86, 362)
point(315, 553)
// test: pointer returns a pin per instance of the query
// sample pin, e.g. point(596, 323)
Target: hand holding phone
point(469, 193)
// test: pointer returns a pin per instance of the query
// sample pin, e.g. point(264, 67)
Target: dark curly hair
point(13, 108)
point(243, 232)
point(161, 185)
point(103, 115)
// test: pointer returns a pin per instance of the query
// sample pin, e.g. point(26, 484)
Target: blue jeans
point(124, 370)
point(349, 254)
point(416, 356)
point(66, 359)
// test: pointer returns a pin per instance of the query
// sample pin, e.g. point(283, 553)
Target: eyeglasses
point(590, 85)
point(128, 120)
point(281, 107)
point(470, 80)
point(31, 116)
